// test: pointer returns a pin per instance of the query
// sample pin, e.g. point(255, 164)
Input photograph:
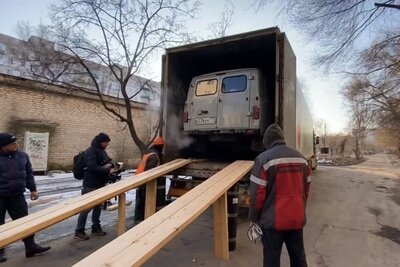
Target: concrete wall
point(72, 118)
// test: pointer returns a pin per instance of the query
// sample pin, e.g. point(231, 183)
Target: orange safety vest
point(142, 164)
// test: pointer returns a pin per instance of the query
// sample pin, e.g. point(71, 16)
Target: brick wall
point(72, 118)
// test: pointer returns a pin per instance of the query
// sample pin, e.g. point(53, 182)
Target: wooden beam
point(28, 225)
point(151, 199)
point(221, 244)
point(121, 214)
point(152, 234)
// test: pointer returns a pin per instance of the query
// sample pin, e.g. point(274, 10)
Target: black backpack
point(79, 166)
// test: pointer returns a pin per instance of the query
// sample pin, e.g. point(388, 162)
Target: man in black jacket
point(98, 167)
point(15, 175)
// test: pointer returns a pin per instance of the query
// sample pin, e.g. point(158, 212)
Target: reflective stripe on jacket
point(279, 187)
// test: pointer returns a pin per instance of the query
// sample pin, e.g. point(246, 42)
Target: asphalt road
point(353, 220)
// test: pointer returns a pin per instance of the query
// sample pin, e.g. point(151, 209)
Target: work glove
point(254, 233)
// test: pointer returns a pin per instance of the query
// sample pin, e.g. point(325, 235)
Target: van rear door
point(233, 102)
point(203, 107)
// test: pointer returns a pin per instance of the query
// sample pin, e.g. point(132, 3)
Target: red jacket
point(279, 187)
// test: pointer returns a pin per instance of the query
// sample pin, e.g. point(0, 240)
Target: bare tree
point(342, 146)
point(336, 25)
point(363, 116)
point(342, 29)
point(332, 143)
point(220, 27)
point(376, 84)
point(337, 144)
point(119, 35)
point(385, 140)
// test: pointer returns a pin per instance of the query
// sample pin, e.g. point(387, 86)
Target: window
point(207, 87)
point(115, 86)
point(2, 49)
point(16, 73)
point(234, 84)
point(97, 74)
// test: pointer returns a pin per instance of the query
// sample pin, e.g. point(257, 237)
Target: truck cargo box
point(267, 50)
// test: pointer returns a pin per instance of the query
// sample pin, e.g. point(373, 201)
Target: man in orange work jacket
point(150, 160)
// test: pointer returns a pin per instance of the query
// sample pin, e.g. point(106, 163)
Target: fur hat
point(6, 139)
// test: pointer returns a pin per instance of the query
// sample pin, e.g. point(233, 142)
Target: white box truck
point(220, 95)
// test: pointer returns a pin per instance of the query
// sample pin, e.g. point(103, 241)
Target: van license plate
point(205, 121)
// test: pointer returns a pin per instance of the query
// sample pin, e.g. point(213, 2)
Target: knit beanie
point(273, 133)
point(6, 139)
point(102, 137)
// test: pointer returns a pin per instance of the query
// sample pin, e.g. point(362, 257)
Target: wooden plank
point(121, 214)
point(114, 189)
point(141, 229)
point(28, 225)
point(221, 242)
point(149, 244)
point(149, 236)
point(151, 199)
point(124, 241)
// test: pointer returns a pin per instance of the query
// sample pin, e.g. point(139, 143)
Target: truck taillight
point(185, 116)
point(255, 113)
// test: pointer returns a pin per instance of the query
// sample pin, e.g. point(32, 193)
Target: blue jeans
point(96, 211)
point(272, 247)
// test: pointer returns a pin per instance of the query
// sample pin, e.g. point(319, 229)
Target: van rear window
point(234, 84)
point(207, 87)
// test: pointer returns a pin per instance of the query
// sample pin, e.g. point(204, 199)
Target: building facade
point(71, 118)
point(72, 115)
point(17, 58)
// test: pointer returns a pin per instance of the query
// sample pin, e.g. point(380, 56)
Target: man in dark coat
point(15, 175)
point(279, 188)
point(98, 166)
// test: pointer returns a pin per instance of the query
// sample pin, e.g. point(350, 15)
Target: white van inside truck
point(224, 102)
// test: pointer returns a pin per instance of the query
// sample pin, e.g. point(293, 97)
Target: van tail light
point(255, 113)
point(185, 117)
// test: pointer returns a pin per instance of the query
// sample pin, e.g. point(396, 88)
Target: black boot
point(36, 249)
point(96, 230)
point(3, 257)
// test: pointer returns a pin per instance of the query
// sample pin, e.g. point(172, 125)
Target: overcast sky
point(322, 91)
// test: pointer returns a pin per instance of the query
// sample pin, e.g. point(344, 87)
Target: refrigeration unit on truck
point(220, 95)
